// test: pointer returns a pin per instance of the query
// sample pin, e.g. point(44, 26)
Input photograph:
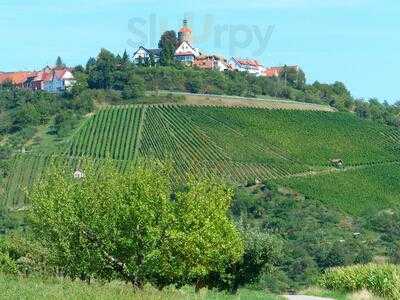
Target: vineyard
point(358, 192)
point(114, 131)
point(240, 144)
point(291, 141)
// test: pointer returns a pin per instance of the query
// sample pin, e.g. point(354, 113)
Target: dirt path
point(236, 101)
point(330, 170)
point(302, 297)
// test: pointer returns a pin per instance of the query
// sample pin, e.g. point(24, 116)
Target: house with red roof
point(17, 78)
point(212, 62)
point(276, 71)
point(58, 80)
point(49, 79)
point(250, 66)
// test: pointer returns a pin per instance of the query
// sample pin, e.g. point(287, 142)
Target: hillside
point(357, 191)
point(241, 144)
point(255, 102)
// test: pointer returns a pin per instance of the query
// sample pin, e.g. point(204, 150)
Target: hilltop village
point(186, 53)
point(60, 78)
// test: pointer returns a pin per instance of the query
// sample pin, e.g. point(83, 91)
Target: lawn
point(56, 288)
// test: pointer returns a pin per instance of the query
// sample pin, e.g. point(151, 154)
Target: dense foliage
point(309, 237)
point(133, 227)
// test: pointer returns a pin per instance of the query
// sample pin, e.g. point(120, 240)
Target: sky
point(356, 42)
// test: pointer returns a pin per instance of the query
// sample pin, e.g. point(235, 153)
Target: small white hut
point(78, 174)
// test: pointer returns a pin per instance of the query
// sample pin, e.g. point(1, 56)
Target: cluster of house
point(59, 79)
point(52, 80)
point(190, 55)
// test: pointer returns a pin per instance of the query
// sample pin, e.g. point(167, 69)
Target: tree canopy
point(59, 63)
point(168, 43)
point(132, 226)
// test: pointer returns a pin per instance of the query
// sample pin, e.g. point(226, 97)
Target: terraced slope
point(113, 131)
point(312, 138)
point(241, 135)
point(239, 144)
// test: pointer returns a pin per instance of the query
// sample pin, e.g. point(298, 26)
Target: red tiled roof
point(184, 53)
point(15, 77)
point(204, 63)
point(60, 73)
point(249, 62)
point(185, 29)
point(273, 72)
point(49, 75)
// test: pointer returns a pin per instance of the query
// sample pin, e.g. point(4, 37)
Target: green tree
point(65, 122)
point(168, 44)
point(5, 122)
point(362, 109)
point(101, 74)
point(127, 225)
point(91, 63)
point(263, 252)
point(81, 83)
point(293, 76)
point(206, 240)
point(125, 58)
point(27, 115)
point(59, 63)
point(134, 88)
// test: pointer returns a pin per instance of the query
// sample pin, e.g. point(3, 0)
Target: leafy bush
point(23, 255)
point(134, 88)
point(7, 265)
point(381, 280)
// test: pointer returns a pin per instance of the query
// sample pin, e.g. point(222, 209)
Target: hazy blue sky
point(354, 41)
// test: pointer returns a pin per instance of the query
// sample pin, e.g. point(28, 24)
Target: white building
point(59, 80)
point(51, 80)
point(248, 65)
point(143, 54)
point(185, 53)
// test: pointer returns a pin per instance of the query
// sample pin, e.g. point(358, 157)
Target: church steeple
point(185, 34)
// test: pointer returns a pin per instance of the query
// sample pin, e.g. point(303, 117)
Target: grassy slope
point(259, 102)
point(37, 288)
point(357, 192)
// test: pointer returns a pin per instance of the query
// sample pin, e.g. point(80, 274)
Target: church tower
point(185, 34)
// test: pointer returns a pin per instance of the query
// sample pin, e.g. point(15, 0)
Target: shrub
point(7, 265)
point(381, 280)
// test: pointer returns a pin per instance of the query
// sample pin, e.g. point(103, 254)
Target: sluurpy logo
point(228, 37)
